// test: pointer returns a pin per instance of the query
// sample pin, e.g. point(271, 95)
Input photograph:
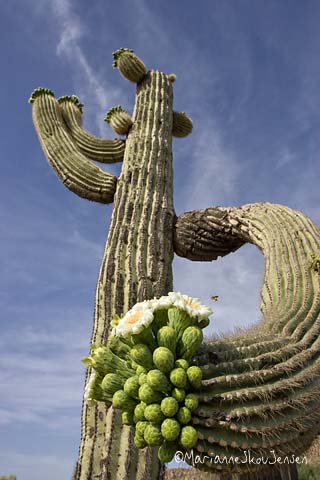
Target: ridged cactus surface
point(260, 390)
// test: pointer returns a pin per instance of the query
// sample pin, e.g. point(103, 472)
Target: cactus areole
point(260, 391)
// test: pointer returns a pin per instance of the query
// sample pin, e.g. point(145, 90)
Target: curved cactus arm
point(99, 149)
point(77, 173)
point(261, 388)
point(205, 235)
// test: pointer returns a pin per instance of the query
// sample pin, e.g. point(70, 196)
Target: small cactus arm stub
point(260, 390)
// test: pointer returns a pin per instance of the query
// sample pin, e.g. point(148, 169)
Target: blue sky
point(248, 74)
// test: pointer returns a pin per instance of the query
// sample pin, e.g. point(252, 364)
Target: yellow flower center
point(192, 303)
point(134, 318)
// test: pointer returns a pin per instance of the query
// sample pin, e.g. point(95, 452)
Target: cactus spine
point(260, 391)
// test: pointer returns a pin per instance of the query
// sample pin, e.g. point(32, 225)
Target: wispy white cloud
point(71, 33)
point(212, 172)
point(285, 157)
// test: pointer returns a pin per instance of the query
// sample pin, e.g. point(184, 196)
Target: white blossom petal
point(135, 320)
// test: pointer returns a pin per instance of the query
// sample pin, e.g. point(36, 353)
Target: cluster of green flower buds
point(40, 91)
point(146, 371)
point(72, 98)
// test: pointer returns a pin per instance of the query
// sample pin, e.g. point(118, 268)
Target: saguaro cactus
point(260, 390)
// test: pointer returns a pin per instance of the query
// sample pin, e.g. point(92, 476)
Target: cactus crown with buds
point(39, 91)
point(117, 53)
point(72, 98)
point(112, 111)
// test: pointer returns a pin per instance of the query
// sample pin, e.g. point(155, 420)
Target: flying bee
point(214, 298)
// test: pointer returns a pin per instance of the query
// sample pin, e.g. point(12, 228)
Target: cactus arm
point(77, 173)
point(204, 235)
point(129, 65)
point(261, 389)
point(98, 149)
point(181, 124)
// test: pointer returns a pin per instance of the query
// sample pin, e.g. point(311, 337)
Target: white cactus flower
point(135, 320)
point(162, 303)
point(192, 306)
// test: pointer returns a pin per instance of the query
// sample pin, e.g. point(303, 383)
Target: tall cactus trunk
point(136, 266)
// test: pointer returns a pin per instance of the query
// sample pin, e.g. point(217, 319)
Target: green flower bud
point(182, 363)
point(152, 435)
point(111, 383)
point(139, 441)
point(167, 451)
point(163, 359)
point(135, 366)
point(142, 378)
point(148, 395)
point(194, 376)
point(167, 338)
point(190, 341)
point(123, 401)
point(140, 427)
point(179, 320)
point(179, 394)
point(139, 411)
point(140, 370)
point(153, 413)
point(191, 402)
point(169, 406)
point(160, 319)
point(127, 418)
point(94, 391)
point(188, 437)
point(178, 377)
point(142, 355)
point(131, 386)
point(105, 361)
point(119, 348)
point(170, 429)
point(184, 415)
point(158, 381)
